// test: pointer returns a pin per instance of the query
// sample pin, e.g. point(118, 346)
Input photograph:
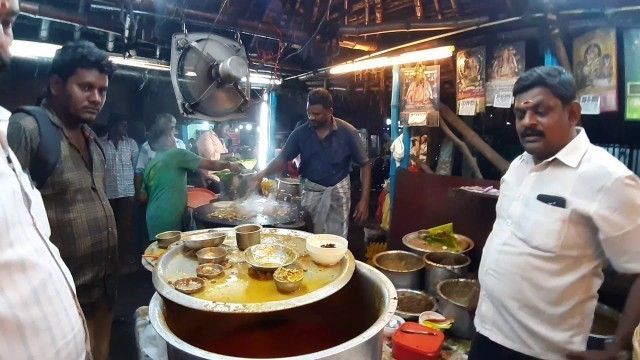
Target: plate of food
point(438, 239)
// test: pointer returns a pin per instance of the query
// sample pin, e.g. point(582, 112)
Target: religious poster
point(420, 96)
point(470, 69)
point(632, 74)
point(595, 70)
point(504, 69)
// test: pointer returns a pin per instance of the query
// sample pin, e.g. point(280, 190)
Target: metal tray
point(236, 292)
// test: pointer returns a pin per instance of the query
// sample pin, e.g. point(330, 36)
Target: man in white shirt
point(211, 146)
point(566, 207)
point(40, 317)
point(121, 153)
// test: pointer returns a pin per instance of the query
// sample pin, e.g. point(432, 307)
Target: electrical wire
point(324, 18)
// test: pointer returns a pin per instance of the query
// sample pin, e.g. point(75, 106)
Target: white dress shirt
point(146, 154)
point(542, 265)
point(40, 317)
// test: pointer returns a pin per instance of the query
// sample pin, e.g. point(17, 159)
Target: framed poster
point(470, 69)
point(420, 96)
point(595, 67)
point(506, 66)
point(632, 74)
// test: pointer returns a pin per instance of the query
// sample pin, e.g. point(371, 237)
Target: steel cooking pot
point(440, 266)
point(289, 186)
point(354, 317)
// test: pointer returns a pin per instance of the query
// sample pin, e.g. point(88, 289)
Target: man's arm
point(215, 165)
point(362, 209)
point(23, 138)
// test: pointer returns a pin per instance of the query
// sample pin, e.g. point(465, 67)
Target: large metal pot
point(346, 325)
point(440, 266)
point(289, 186)
point(453, 302)
point(403, 268)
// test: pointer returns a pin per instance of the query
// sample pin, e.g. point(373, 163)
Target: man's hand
point(235, 168)
point(362, 212)
point(607, 354)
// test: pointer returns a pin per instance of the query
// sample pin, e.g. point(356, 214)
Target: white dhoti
point(328, 207)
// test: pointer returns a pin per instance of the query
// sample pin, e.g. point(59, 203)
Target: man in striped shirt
point(121, 153)
point(40, 317)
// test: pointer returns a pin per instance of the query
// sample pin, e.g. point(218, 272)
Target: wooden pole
point(473, 162)
point(473, 138)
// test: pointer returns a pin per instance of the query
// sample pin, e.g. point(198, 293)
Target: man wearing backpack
point(73, 188)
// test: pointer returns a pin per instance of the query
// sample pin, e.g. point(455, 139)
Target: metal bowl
point(167, 238)
point(205, 239)
point(209, 271)
point(190, 285)
point(285, 285)
point(412, 303)
point(211, 255)
point(269, 257)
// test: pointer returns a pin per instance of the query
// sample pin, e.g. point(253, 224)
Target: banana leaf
point(443, 235)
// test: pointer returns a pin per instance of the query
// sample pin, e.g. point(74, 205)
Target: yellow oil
point(242, 285)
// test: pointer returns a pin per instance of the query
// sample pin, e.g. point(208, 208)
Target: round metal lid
point(238, 292)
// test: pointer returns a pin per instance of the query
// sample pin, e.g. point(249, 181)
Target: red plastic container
point(408, 346)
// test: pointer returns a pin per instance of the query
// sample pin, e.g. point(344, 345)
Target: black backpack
point(48, 151)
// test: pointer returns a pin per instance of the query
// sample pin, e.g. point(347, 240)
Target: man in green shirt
point(165, 180)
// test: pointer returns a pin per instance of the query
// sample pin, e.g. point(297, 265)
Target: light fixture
point(241, 126)
point(406, 58)
point(37, 50)
point(249, 127)
point(33, 50)
point(262, 79)
point(263, 136)
point(388, 121)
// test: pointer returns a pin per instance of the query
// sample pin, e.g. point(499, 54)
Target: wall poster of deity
point(470, 69)
point(420, 96)
point(504, 69)
point(632, 74)
point(595, 67)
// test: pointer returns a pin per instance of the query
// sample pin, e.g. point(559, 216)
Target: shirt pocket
point(541, 226)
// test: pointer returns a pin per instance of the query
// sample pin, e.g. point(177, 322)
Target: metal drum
point(344, 326)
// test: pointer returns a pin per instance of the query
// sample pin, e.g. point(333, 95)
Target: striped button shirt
point(120, 163)
point(81, 219)
point(40, 317)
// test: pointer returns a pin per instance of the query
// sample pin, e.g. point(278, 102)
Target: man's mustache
point(531, 132)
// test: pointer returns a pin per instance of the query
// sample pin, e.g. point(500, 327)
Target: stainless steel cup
point(247, 235)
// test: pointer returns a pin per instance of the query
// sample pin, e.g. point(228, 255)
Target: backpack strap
point(48, 151)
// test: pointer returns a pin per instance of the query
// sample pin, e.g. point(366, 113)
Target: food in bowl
point(190, 285)
point(209, 271)
point(288, 280)
point(411, 303)
point(326, 249)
